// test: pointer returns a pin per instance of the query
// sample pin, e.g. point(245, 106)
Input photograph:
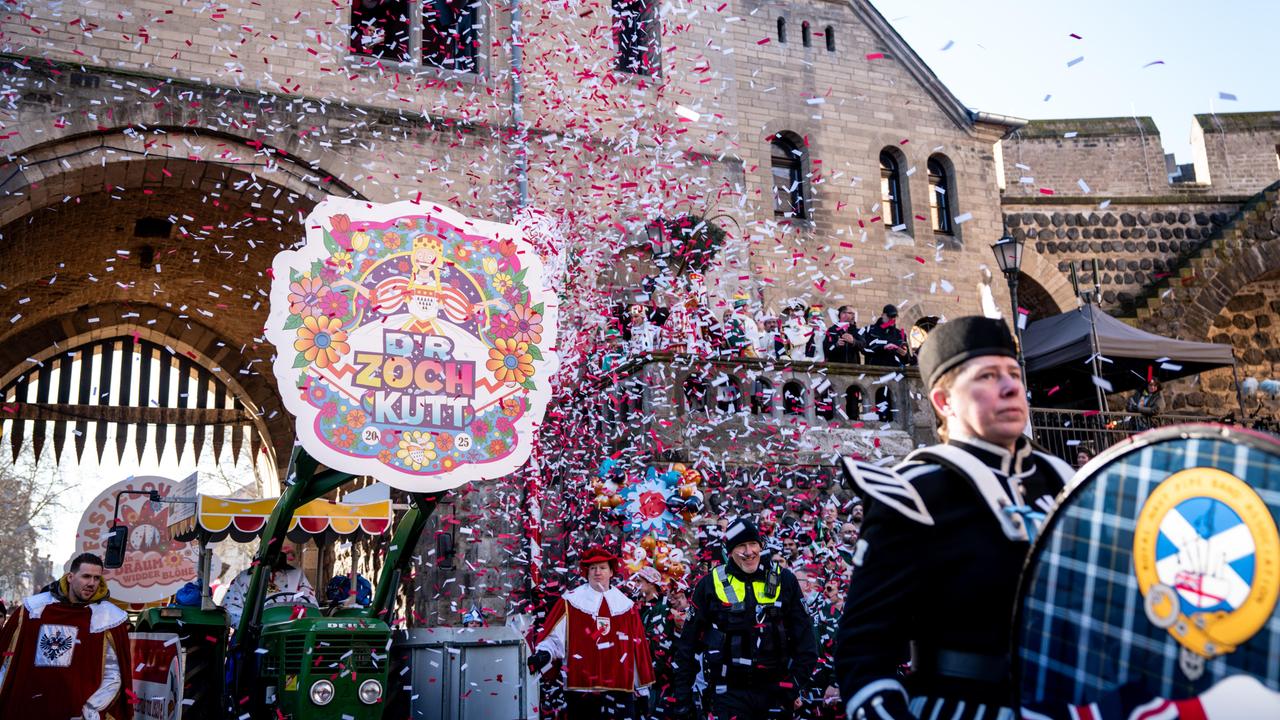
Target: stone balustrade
point(681, 408)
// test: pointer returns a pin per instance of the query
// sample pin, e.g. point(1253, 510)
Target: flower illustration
point(343, 437)
point(305, 294)
point(444, 441)
point(511, 407)
point(356, 419)
point(497, 447)
point(462, 251)
point(489, 265)
point(317, 393)
point(416, 449)
point(447, 463)
point(501, 282)
point(360, 241)
point(503, 424)
point(392, 241)
point(335, 304)
point(329, 410)
point(528, 323)
point(385, 457)
point(510, 361)
point(340, 223)
point(503, 326)
point(322, 341)
point(479, 428)
point(342, 261)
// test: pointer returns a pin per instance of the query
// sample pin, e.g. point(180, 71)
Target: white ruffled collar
point(103, 615)
point(588, 600)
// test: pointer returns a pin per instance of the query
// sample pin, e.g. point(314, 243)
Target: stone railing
point(747, 410)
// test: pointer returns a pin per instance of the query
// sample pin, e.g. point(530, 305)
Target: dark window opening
point(150, 227)
point(635, 27)
point(728, 396)
point(762, 397)
point(940, 197)
point(890, 189)
point(695, 393)
point(449, 34)
point(782, 30)
point(788, 178)
point(823, 405)
point(380, 28)
point(793, 398)
point(806, 35)
point(853, 402)
point(829, 34)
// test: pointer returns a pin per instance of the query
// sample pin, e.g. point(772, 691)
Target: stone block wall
point(1237, 152)
point(1111, 156)
point(1135, 243)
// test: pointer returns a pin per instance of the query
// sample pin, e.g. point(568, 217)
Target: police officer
point(748, 621)
point(943, 541)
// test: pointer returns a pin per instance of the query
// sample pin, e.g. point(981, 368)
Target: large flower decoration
point(305, 295)
point(417, 449)
point(527, 323)
point(321, 341)
point(510, 361)
point(644, 505)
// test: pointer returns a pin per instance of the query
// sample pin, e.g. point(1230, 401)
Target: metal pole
point(1012, 277)
point(521, 138)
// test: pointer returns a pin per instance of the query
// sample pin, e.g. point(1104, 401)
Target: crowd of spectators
point(799, 332)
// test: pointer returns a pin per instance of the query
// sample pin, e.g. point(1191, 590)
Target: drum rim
point(1256, 438)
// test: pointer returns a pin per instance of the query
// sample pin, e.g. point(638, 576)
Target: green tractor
point(287, 661)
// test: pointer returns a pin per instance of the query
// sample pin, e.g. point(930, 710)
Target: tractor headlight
point(322, 692)
point(370, 692)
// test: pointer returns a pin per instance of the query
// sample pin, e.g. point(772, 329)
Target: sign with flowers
point(413, 344)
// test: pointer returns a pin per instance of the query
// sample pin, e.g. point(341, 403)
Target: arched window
point(891, 189)
point(636, 29)
point(695, 393)
point(806, 35)
point(941, 197)
point(782, 30)
point(787, 160)
point(823, 404)
point(829, 34)
point(762, 397)
point(853, 402)
point(793, 398)
point(728, 397)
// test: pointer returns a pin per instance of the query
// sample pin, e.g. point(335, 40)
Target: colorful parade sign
point(155, 565)
point(414, 344)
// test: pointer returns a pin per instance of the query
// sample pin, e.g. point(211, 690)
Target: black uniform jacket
point(947, 587)
point(875, 338)
point(790, 667)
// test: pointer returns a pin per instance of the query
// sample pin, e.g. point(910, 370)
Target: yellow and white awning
point(243, 520)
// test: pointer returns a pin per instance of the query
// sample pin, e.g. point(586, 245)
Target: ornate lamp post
point(1009, 257)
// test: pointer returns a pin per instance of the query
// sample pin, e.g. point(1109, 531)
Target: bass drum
point(1153, 586)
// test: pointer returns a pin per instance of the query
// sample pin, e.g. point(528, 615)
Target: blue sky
point(1006, 56)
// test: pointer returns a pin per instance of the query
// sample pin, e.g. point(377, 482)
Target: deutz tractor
point(287, 661)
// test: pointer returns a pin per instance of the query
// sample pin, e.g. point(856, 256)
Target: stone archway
point(1035, 299)
point(1248, 322)
point(175, 247)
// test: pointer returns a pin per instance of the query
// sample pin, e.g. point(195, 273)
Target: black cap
point(954, 342)
point(740, 531)
point(890, 310)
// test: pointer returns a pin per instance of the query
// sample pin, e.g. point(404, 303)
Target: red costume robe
point(601, 640)
point(54, 652)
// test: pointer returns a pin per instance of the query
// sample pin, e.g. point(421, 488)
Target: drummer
point(943, 542)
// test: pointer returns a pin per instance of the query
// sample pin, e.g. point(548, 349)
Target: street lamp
point(1008, 252)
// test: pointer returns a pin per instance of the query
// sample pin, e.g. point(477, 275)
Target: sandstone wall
point(1111, 156)
point(1237, 152)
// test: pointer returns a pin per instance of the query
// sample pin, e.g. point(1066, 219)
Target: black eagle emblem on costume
point(55, 645)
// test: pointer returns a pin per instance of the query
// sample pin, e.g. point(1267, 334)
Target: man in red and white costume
point(597, 633)
point(65, 653)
